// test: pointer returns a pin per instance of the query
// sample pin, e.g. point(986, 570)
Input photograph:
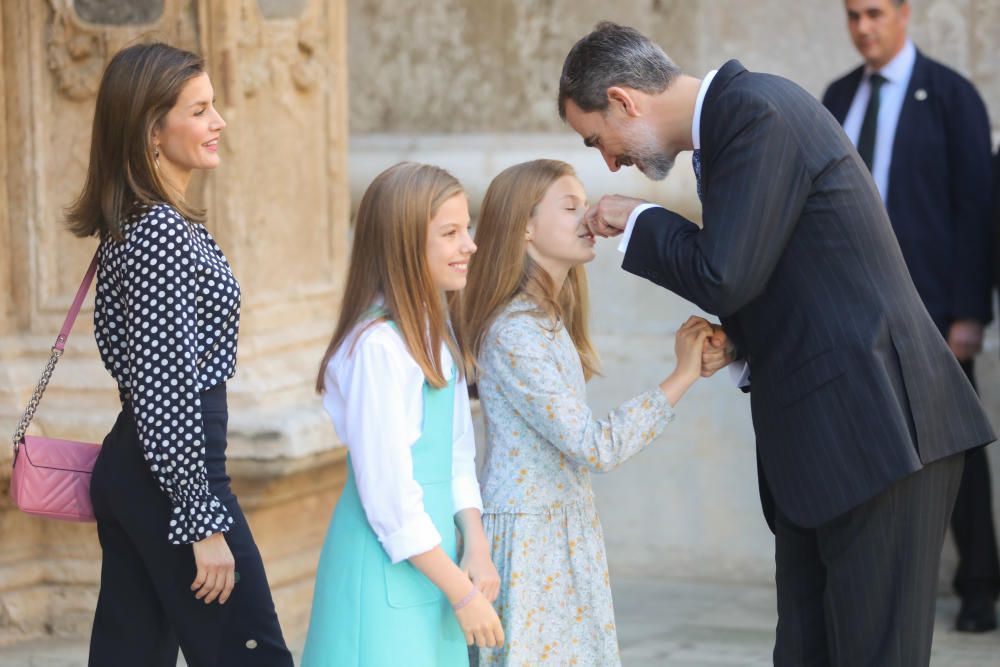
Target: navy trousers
point(146, 608)
point(860, 590)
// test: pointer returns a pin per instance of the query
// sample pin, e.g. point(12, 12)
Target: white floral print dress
point(542, 442)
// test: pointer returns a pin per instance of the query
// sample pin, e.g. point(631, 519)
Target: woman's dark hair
point(140, 85)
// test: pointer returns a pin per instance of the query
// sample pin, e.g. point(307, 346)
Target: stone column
point(278, 206)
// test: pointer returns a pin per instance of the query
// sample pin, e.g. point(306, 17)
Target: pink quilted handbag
point(51, 477)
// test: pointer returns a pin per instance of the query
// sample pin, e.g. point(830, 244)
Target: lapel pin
point(920, 95)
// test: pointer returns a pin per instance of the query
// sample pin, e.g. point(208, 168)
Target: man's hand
point(609, 216)
point(965, 338)
point(718, 352)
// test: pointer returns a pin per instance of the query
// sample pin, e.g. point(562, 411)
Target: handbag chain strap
point(36, 398)
point(57, 351)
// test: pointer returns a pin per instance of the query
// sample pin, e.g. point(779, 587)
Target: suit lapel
point(710, 112)
point(906, 126)
point(841, 103)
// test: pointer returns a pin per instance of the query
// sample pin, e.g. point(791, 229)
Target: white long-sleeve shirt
point(374, 394)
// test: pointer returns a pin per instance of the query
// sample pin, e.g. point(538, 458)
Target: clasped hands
point(717, 353)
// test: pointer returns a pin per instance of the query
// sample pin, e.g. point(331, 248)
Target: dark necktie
point(866, 140)
point(696, 163)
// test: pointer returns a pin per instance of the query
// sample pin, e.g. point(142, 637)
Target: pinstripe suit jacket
point(853, 386)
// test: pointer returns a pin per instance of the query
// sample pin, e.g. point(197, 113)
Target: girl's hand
point(480, 623)
point(216, 569)
point(689, 345)
point(478, 565)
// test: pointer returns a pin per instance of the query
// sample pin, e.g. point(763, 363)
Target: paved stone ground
point(692, 624)
point(661, 623)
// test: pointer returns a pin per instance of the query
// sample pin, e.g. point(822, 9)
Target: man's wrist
point(630, 224)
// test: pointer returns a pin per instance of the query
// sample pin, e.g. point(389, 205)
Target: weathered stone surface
point(460, 66)
point(281, 9)
point(419, 66)
point(120, 12)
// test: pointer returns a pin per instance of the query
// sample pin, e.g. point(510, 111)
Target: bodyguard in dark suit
point(923, 130)
point(860, 409)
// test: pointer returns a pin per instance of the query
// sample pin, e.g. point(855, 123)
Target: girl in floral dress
point(523, 319)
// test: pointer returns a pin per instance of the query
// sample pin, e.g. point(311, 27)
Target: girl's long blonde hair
point(389, 260)
point(502, 269)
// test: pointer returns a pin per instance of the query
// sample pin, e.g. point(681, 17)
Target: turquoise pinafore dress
point(368, 612)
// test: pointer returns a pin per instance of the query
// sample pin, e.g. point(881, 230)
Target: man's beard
point(647, 155)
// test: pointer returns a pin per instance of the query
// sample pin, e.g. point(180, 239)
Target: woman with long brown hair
point(523, 320)
point(391, 588)
point(179, 563)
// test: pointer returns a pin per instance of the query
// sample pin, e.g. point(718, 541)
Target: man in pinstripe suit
point(859, 407)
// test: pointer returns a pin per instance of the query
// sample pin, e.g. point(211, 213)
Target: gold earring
point(156, 156)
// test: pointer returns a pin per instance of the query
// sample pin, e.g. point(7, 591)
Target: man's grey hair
point(612, 55)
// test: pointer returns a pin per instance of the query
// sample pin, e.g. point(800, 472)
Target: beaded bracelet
point(466, 600)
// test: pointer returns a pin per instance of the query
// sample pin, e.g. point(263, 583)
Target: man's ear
point(904, 12)
point(623, 99)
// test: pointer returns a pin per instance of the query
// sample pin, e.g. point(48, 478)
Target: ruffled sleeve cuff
point(417, 536)
point(193, 520)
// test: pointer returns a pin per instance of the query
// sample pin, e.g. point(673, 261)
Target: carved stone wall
point(278, 206)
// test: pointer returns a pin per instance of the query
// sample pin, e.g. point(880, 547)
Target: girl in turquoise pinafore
point(390, 588)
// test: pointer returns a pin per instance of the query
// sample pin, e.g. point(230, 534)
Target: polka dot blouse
point(166, 318)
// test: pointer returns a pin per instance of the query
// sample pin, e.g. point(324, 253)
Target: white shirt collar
point(899, 68)
point(696, 121)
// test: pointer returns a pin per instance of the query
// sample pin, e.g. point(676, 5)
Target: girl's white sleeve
point(464, 485)
point(380, 387)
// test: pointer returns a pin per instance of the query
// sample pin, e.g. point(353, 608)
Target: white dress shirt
point(739, 371)
point(374, 393)
point(897, 73)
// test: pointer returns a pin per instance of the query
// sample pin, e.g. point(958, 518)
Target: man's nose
point(611, 161)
